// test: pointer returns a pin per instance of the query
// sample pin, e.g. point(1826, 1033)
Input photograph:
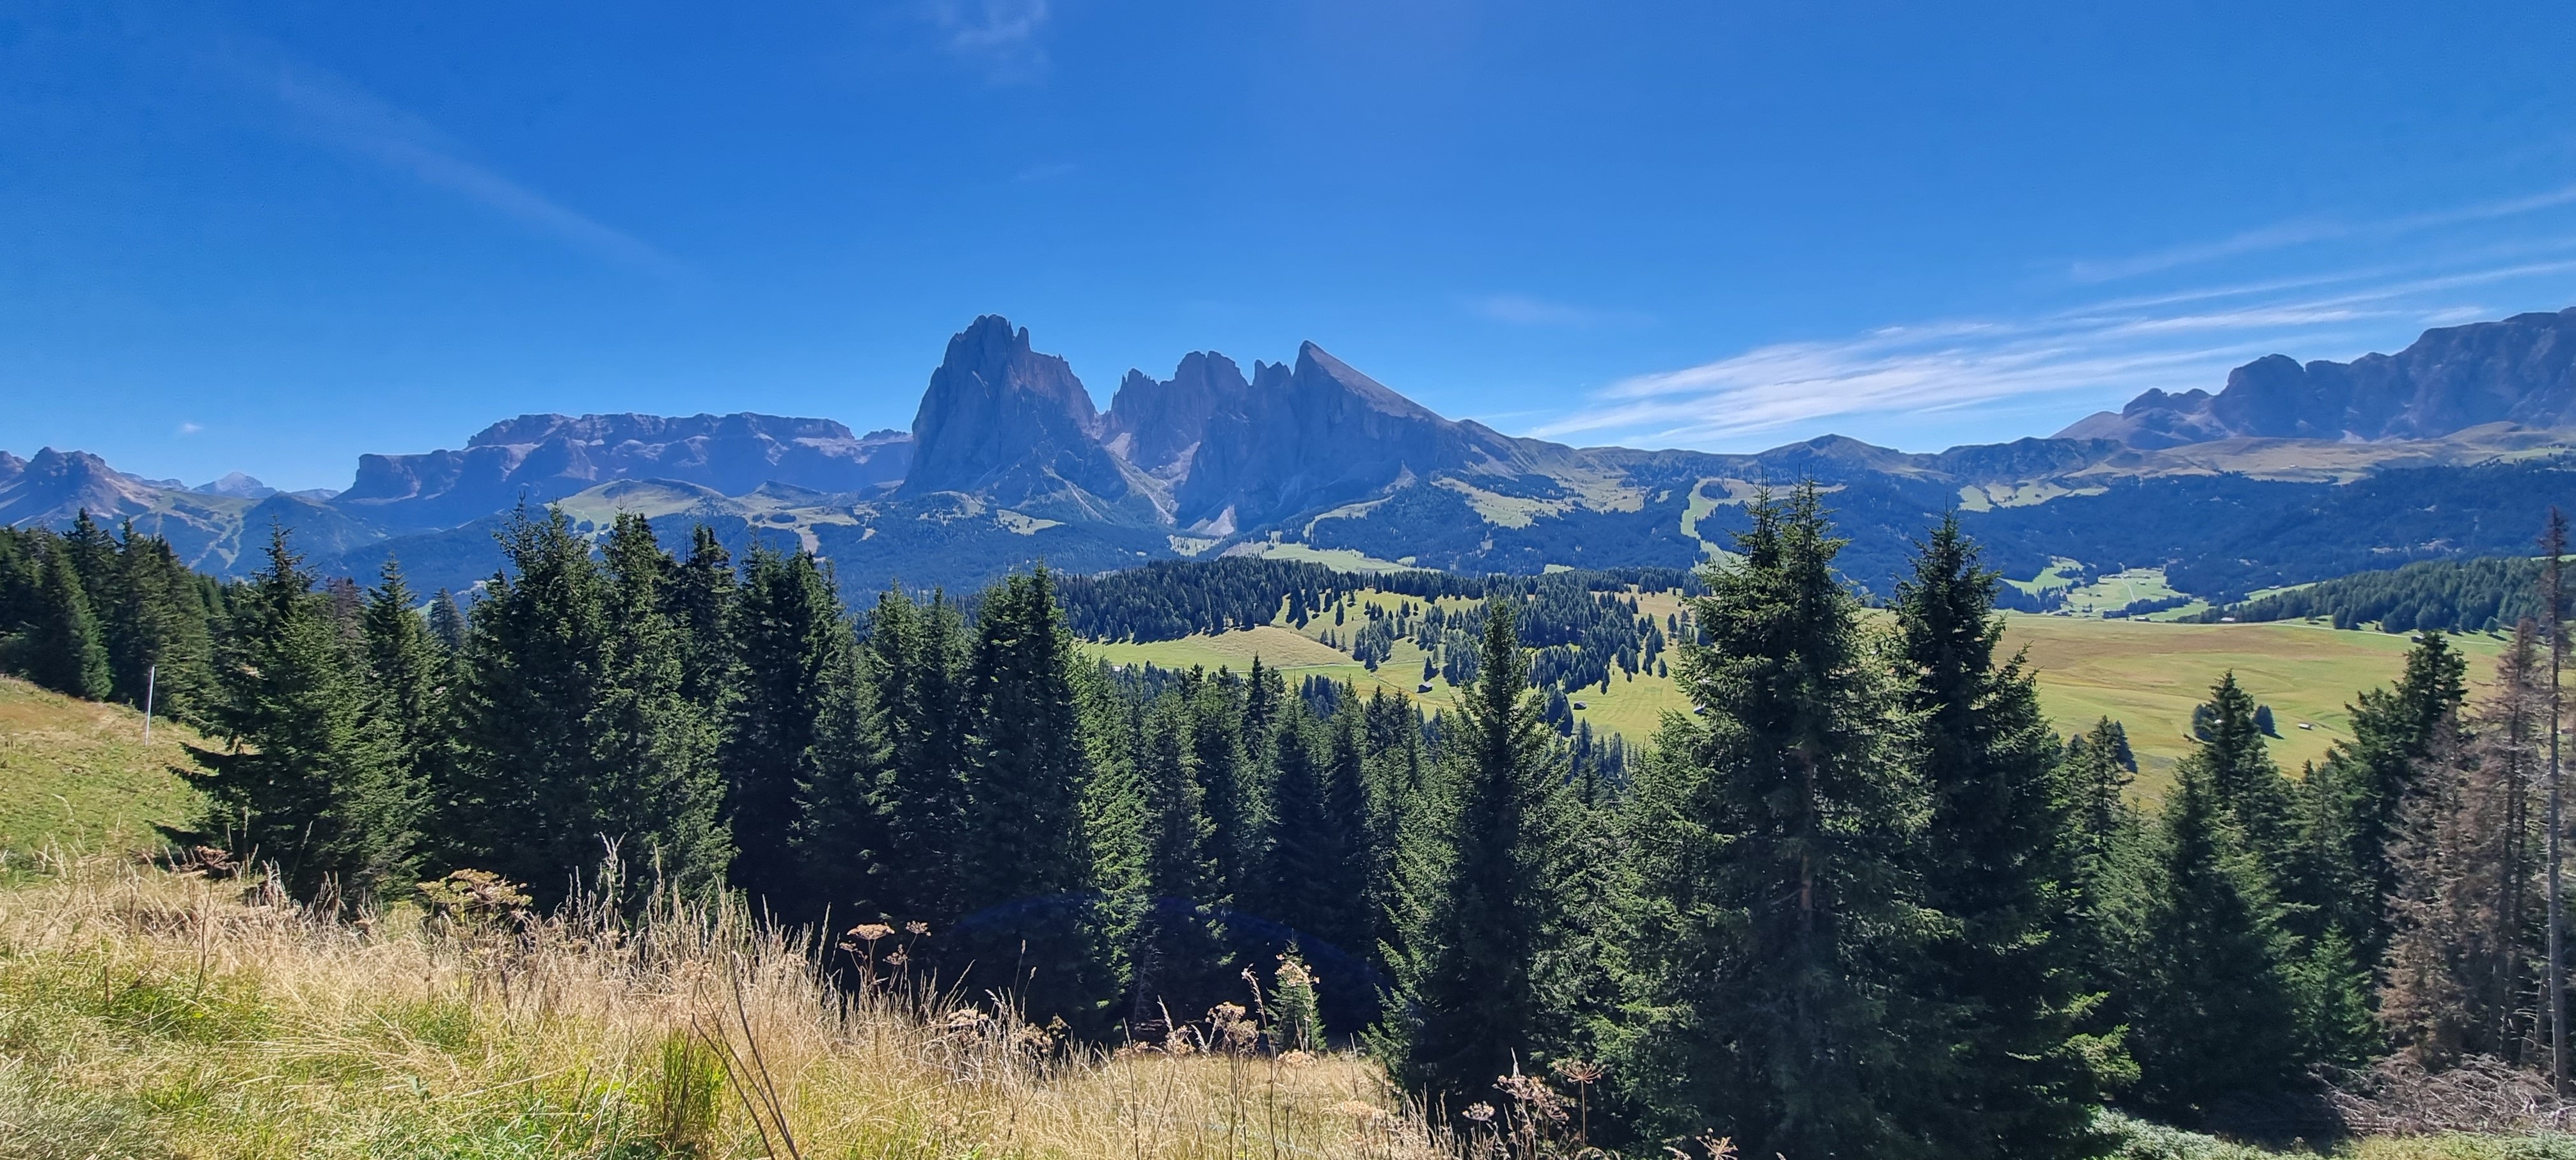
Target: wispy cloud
point(338, 113)
point(1524, 310)
point(2103, 351)
point(190, 427)
point(1001, 36)
point(2283, 235)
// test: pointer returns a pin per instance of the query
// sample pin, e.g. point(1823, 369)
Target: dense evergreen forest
point(1861, 902)
point(2488, 594)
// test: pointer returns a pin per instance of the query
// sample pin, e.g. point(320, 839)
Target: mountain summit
point(1009, 424)
point(2519, 370)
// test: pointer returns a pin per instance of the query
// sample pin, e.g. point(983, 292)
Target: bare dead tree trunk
point(2553, 541)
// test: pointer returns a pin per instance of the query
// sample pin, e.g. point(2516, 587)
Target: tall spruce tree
point(1774, 922)
point(2245, 784)
point(662, 799)
point(156, 627)
point(406, 677)
point(2217, 1013)
point(1320, 854)
point(572, 735)
point(839, 832)
point(1229, 788)
point(917, 663)
point(1026, 866)
point(1175, 948)
point(700, 600)
point(91, 552)
point(785, 632)
point(20, 565)
point(2370, 784)
point(2019, 1081)
point(1466, 1007)
point(62, 647)
point(310, 779)
point(447, 622)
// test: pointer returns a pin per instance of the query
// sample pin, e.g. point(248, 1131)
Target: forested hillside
point(2433, 595)
point(1863, 901)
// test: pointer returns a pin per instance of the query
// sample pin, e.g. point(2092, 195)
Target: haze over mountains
point(2290, 472)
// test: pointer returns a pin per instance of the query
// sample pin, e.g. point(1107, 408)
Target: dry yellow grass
point(144, 1013)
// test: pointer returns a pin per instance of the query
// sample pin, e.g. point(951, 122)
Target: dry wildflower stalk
point(581, 1008)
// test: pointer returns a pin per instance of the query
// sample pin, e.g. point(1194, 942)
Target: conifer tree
point(784, 629)
point(1175, 941)
point(572, 735)
point(63, 648)
point(517, 799)
point(309, 781)
point(447, 622)
point(1465, 1002)
point(839, 832)
point(916, 661)
point(662, 799)
point(2461, 919)
point(1027, 866)
point(155, 625)
point(1228, 787)
point(2108, 851)
point(2371, 782)
point(407, 675)
point(2244, 783)
point(19, 569)
point(2019, 1082)
point(2217, 1013)
point(1320, 852)
point(700, 599)
point(1773, 920)
point(92, 555)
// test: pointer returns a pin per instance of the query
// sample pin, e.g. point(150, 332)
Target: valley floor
point(2147, 675)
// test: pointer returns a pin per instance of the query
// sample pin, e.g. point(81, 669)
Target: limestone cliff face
point(2518, 370)
point(1157, 425)
point(1015, 427)
point(1319, 434)
point(546, 457)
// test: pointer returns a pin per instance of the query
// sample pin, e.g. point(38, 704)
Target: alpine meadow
point(1334, 580)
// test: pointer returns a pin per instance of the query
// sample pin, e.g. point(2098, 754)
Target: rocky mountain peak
point(1002, 420)
point(2516, 370)
point(235, 484)
point(52, 486)
point(1157, 424)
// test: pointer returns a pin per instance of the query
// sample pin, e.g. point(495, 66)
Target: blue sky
point(270, 237)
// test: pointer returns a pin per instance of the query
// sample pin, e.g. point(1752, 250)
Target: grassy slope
point(150, 1015)
point(2145, 675)
point(2148, 676)
point(78, 775)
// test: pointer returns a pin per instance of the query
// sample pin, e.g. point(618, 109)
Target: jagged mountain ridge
point(542, 458)
point(2519, 370)
point(1010, 462)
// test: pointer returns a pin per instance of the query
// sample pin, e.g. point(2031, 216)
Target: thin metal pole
point(151, 681)
point(2554, 542)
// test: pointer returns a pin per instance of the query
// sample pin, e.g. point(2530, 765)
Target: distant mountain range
point(2292, 472)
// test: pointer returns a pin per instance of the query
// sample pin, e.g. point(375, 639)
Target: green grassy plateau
point(2146, 675)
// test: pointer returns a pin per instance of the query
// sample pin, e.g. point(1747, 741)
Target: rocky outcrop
point(2519, 370)
point(54, 486)
point(1158, 425)
point(1015, 427)
point(538, 458)
point(1319, 434)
